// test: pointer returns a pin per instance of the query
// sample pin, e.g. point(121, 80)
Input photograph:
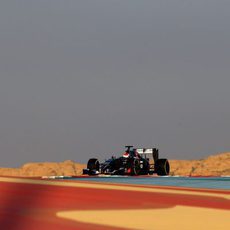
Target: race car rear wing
point(144, 152)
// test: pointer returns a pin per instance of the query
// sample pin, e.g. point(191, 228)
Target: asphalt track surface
point(42, 204)
point(176, 181)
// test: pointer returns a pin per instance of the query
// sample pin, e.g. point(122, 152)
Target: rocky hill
point(215, 165)
point(66, 168)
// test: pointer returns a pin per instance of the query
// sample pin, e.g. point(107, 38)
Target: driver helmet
point(126, 155)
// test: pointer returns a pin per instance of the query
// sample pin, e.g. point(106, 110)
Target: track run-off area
point(80, 204)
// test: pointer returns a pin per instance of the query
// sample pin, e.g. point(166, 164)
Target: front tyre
point(135, 167)
point(162, 167)
point(93, 165)
point(144, 168)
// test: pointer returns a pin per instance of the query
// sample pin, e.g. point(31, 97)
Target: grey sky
point(84, 78)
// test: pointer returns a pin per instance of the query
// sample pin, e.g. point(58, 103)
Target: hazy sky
point(84, 78)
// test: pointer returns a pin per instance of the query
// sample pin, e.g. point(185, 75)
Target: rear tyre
point(93, 165)
point(162, 167)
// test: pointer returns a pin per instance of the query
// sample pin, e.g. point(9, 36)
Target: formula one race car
point(134, 161)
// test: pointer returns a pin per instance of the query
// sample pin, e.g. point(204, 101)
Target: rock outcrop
point(66, 168)
point(215, 165)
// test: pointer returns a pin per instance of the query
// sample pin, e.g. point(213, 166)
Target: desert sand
point(214, 165)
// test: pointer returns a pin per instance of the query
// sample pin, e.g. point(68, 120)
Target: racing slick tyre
point(93, 165)
point(135, 167)
point(144, 168)
point(162, 167)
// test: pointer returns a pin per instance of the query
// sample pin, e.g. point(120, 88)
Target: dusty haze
point(84, 78)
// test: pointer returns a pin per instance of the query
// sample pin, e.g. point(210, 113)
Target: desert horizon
point(213, 165)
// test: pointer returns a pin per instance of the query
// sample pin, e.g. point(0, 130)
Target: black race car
point(134, 161)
